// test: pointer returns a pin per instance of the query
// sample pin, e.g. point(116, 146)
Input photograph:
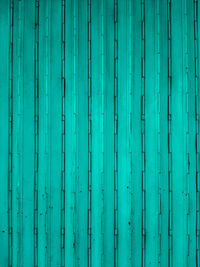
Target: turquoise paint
point(99, 133)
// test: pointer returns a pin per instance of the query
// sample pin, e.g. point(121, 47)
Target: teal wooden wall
point(99, 133)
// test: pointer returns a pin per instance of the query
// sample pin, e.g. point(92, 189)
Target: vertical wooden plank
point(158, 90)
point(124, 135)
point(63, 87)
point(18, 136)
point(44, 136)
point(82, 121)
point(97, 194)
point(191, 153)
point(10, 169)
point(36, 141)
point(108, 111)
point(151, 135)
point(4, 132)
point(136, 139)
point(179, 195)
point(55, 105)
point(163, 84)
point(169, 116)
point(28, 134)
point(70, 138)
point(115, 132)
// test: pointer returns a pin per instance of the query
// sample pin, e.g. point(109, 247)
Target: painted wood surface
point(99, 133)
